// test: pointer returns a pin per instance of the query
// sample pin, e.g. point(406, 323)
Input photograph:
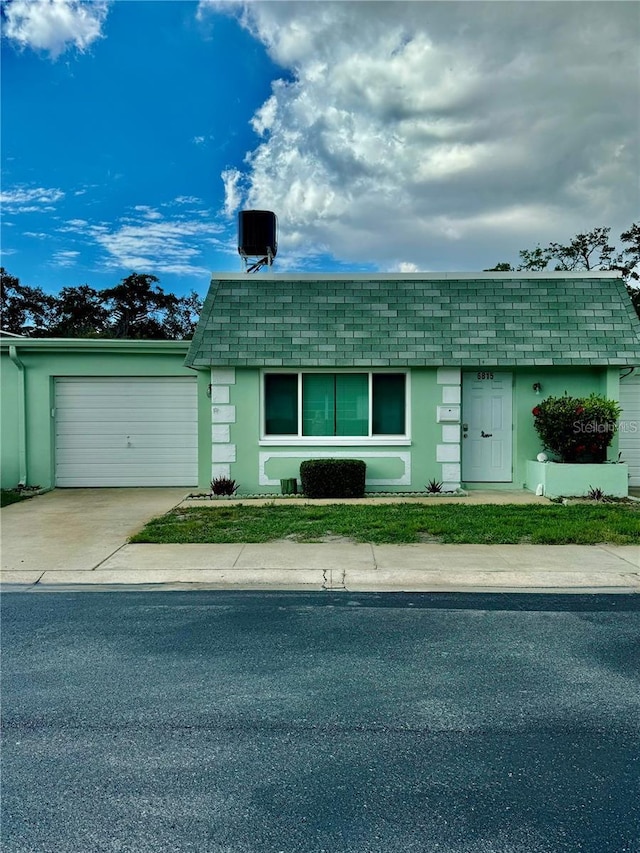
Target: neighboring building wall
point(45, 360)
point(9, 422)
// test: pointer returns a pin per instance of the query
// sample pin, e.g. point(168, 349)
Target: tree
point(588, 251)
point(634, 293)
point(137, 307)
point(140, 308)
point(78, 312)
point(535, 260)
point(628, 261)
point(24, 310)
point(181, 321)
point(503, 266)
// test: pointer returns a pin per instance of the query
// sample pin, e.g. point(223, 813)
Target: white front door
point(486, 427)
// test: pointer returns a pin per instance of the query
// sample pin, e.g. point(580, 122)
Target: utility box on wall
point(448, 414)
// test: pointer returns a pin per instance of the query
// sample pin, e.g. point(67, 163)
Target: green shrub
point(333, 478)
point(577, 429)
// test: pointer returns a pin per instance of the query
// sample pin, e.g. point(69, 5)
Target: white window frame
point(336, 440)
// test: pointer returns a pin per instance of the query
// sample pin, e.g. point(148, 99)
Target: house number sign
point(484, 375)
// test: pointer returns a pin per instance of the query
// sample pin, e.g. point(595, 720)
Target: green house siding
point(28, 453)
point(11, 425)
point(257, 463)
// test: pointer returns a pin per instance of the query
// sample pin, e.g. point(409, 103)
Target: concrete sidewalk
point(77, 538)
point(329, 566)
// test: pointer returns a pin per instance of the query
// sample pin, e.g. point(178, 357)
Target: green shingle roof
point(418, 319)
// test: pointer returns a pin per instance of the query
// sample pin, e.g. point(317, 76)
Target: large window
point(335, 404)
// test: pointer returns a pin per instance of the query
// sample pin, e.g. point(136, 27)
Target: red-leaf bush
point(577, 429)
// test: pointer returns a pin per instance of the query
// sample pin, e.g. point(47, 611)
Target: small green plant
point(224, 486)
point(596, 494)
point(333, 478)
point(433, 487)
point(577, 429)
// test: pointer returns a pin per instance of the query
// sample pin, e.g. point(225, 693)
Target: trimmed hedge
point(333, 478)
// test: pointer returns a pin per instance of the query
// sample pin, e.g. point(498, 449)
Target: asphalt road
point(230, 722)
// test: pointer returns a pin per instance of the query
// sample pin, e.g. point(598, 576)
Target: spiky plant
point(224, 486)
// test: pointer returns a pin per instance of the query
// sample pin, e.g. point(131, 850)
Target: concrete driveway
point(76, 529)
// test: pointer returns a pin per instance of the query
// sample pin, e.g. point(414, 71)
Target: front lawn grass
point(617, 524)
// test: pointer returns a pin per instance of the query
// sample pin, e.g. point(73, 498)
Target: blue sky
point(390, 136)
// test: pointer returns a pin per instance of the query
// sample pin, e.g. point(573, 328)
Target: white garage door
point(138, 431)
point(629, 434)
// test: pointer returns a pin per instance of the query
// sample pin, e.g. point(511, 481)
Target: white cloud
point(54, 25)
point(30, 200)
point(187, 199)
point(148, 212)
point(447, 134)
point(145, 241)
point(232, 193)
point(265, 117)
point(65, 258)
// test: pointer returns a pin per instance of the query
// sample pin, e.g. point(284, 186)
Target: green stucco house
point(423, 376)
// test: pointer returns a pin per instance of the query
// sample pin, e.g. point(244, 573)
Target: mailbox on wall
point(448, 414)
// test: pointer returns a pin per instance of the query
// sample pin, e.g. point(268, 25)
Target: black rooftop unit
point(257, 234)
